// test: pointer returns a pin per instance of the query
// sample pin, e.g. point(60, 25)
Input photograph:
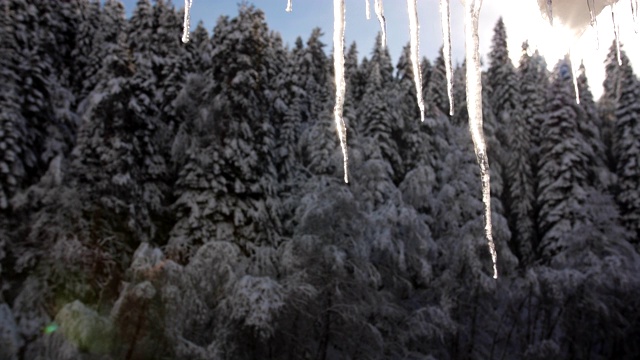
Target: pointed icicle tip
point(474, 108)
point(383, 22)
point(550, 11)
point(445, 19)
point(616, 32)
point(367, 9)
point(634, 14)
point(187, 19)
point(414, 33)
point(289, 6)
point(338, 64)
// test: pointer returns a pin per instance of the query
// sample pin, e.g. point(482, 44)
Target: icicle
point(289, 6)
point(383, 23)
point(575, 79)
point(550, 11)
point(445, 19)
point(634, 14)
point(615, 32)
point(414, 28)
point(474, 108)
point(187, 18)
point(594, 21)
point(368, 9)
point(338, 65)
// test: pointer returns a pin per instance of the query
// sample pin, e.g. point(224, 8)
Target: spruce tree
point(247, 207)
point(626, 147)
point(435, 97)
point(608, 102)
point(564, 167)
point(410, 139)
point(377, 122)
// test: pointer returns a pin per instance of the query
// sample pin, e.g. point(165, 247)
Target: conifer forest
point(161, 200)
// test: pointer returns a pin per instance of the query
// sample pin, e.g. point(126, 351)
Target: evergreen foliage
point(161, 200)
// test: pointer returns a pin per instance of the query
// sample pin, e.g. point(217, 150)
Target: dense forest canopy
point(161, 200)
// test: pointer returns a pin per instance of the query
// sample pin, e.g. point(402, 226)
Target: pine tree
point(410, 139)
point(118, 154)
point(564, 167)
point(17, 156)
point(311, 66)
point(514, 144)
point(377, 122)
point(533, 89)
point(380, 56)
point(589, 126)
point(247, 209)
point(435, 97)
point(85, 63)
point(608, 102)
point(535, 84)
point(626, 147)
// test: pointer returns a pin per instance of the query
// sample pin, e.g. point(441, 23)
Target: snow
point(187, 18)
point(445, 19)
point(338, 65)
point(474, 108)
point(383, 23)
point(414, 29)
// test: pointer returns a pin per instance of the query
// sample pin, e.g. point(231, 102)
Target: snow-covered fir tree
point(201, 213)
point(626, 145)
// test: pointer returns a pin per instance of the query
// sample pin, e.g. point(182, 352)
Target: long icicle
point(574, 72)
point(414, 28)
point(338, 65)
point(367, 9)
point(594, 21)
point(616, 31)
point(445, 19)
point(550, 11)
point(186, 28)
point(634, 14)
point(289, 6)
point(383, 22)
point(474, 108)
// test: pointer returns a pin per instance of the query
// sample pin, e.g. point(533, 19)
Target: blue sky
point(522, 20)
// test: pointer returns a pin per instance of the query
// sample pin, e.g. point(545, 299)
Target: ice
point(414, 29)
point(368, 9)
point(187, 19)
point(574, 76)
point(616, 30)
point(594, 20)
point(634, 14)
point(289, 6)
point(474, 108)
point(550, 11)
point(383, 23)
point(445, 19)
point(338, 65)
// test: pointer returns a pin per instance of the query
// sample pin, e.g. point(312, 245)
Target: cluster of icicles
point(594, 9)
point(473, 86)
